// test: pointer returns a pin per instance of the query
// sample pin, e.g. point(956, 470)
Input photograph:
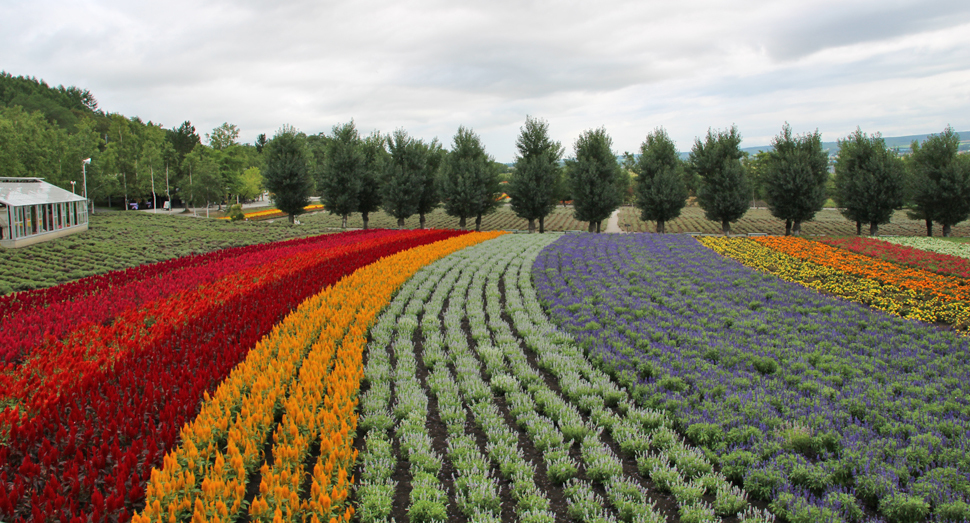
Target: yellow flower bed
point(274, 213)
point(320, 345)
point(908, 303)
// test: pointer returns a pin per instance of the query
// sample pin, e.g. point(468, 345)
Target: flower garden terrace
point(432, 375)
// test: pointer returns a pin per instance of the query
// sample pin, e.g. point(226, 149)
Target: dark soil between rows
point(665, 503)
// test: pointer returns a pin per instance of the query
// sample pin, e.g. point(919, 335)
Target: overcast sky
point(428, 66)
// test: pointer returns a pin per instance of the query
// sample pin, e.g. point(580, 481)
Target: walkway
point(614, 224)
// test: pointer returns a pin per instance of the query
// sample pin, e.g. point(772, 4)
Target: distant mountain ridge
point(901, 142)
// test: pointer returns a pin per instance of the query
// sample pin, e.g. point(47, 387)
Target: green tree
point(204, 184)
point(869, 180)
point(756, 166)
point(251, 184)
point(260, 142)
point(468, 179)
point(795, 177)
point(595, 178)
point(223, 137)
point(121, 156)
point(404, 178)
point(940, 181)
point(533, 186)
point(339, 175)
point(660, 189)
point(27, 143)
point(428, 196)
point(184, 139)
point(376, 161)
point(287, 175)
point(151, 162)
point(724, 189)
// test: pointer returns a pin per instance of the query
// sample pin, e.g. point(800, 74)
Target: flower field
point(895, 288)
point(916, 257)
point(936, 245)
point(434, 375)
point(89, 415)
point(269, 214)
point(829, 410)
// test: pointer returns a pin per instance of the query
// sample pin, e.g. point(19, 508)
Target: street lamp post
point(84, 173)
point(72, 185)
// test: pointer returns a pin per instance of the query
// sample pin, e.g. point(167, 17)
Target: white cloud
point(431, 65)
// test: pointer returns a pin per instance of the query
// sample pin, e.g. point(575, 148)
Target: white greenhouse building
point(33, 211)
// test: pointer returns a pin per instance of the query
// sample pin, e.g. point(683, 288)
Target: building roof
point(15, 192)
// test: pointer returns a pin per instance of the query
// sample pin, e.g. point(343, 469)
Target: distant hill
point(901, 142)
point(62, 106)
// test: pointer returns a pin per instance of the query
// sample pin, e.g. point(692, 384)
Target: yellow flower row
point(322, 341)
point(274, 212)
point(908, 303)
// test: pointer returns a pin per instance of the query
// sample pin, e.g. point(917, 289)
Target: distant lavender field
point(830, 410)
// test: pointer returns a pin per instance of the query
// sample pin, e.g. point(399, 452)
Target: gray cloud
point(432, 65)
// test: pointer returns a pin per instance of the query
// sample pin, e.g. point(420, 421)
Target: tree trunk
point(726, 227)
point(592, 227)
point(598, 227)
point(400, 222)
point(532, 226)
point(797, 228)
point(542, 224)
point(364, 216)
point(873, 229)
point(946, 230)
point(478, 223)
point(787, 227)
point(421, 220)
point(292, 218)
point(660, 227)
point(858, 228)
point(343, 222)
point(929, 227)
point(461, 222)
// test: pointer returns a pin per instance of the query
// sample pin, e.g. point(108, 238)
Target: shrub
point(235, 213)
point(903, 508)
point(955, 511)
point(761, 483)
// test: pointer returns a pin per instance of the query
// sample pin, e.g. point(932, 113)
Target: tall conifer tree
point(340, 176)
point(595, 178)
point(941, 181)
point(660, 189)
point(467, 177)
point(796, 172)
point(534, 184)
point(428, 196)
point(724, 192)
point(868, 181)
point(376, 160)
point(287, 175)
point(404, 177)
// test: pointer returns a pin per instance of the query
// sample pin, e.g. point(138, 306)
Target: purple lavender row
point(826, 408)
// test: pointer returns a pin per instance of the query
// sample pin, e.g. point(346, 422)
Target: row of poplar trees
point(404, 176)
point(396, 173)
point(870, 180)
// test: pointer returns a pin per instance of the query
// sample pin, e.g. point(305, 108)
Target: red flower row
point(920, 259)
point(57, 364)
point(89, 450)
point(31, 318)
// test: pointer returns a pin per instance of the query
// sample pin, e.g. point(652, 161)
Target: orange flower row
point(319, 347)
point(947, 288)
point(894, 299)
